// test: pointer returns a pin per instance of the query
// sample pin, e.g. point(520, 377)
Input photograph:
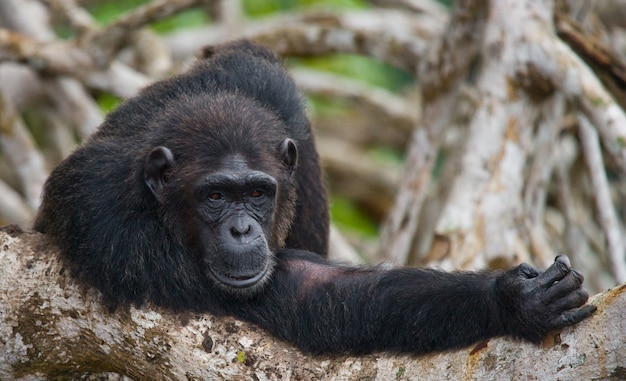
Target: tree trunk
point(49, 328)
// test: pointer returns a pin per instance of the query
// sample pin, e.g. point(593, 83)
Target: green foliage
point(347, 215)
point(36, 125)
point(103, 12)
point(321, 105)
point(386, 155)
point(259, 8)
point(107, 102)
point(107, 11)
point(187, 19)
point(365, 69)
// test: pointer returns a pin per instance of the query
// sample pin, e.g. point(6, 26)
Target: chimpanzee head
point(224, 185)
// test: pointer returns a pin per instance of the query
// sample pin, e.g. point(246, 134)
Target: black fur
point(132, 218)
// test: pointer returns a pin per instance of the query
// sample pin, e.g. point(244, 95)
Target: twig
point(608, 218)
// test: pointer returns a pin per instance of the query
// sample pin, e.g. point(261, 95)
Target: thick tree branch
point(49, 329)
point(485, 205)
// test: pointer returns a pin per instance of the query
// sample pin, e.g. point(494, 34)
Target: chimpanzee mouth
point(242, 280)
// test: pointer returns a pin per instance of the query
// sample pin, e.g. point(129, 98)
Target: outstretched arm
point(325, 308)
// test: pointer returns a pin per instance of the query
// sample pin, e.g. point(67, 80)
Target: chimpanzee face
point(234, 213)
point(232, 218)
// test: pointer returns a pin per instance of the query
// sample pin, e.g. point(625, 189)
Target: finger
point(527, 270)
point(569, 283)
point(556, 272)
point(572, 317)
point(574, 299)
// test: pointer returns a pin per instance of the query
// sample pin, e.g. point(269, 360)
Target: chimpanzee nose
point(240, 230)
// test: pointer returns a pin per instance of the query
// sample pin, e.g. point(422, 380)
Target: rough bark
point(49, 328)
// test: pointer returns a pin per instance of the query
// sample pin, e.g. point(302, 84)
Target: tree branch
point(18, 144)
point(555, 64)
point(12, 207)
point(608, 217)
point(441, 73)
point(50, 329)
point(390, 36)
point(607, 65)
point(59, 58)
point(105, 42)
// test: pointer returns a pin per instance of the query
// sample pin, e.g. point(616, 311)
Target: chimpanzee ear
point(289, 153)
point(157, 161)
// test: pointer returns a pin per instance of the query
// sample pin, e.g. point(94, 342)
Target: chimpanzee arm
point(324, 308)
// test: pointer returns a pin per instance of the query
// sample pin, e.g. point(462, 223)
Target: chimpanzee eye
point(256, 193)
point(216, 196)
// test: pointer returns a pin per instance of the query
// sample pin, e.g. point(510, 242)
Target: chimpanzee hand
point(535, 303)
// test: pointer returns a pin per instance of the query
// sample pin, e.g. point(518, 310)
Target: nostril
point(240, 230)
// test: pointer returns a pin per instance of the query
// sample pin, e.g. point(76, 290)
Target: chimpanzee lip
point(241, 281)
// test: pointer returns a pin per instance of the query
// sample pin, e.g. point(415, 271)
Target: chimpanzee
point(204, 193)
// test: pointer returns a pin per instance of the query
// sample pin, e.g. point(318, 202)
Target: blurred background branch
point(460, 135)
